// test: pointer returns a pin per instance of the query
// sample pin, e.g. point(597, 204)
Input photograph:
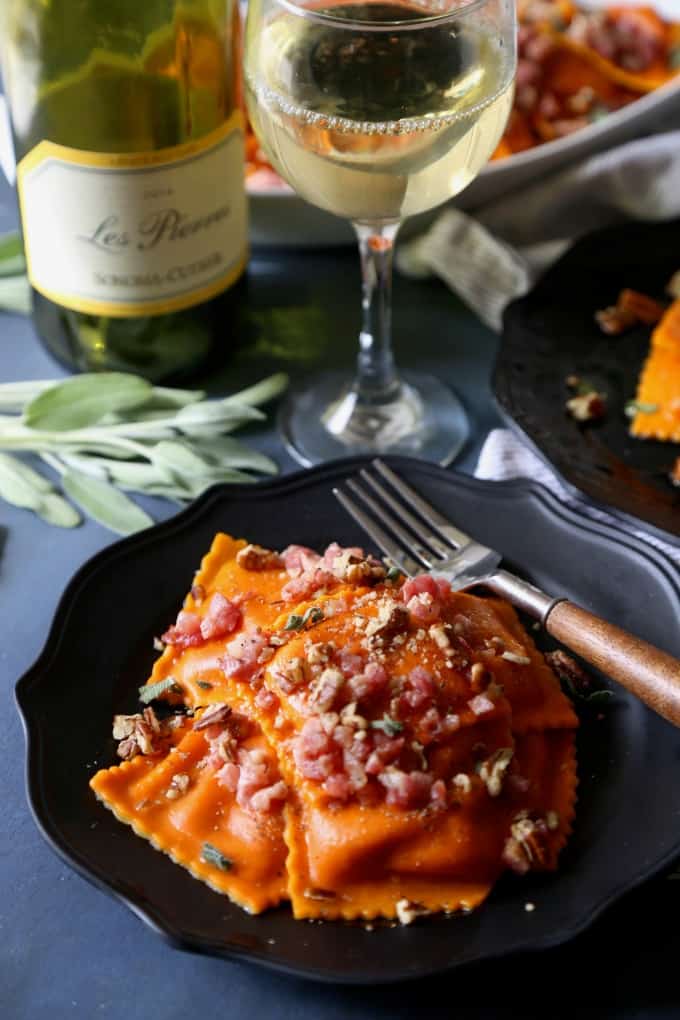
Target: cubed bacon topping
point(406, 789)
point(256, 557)
point(350, 663)
point(339, 786)
point(228, 776)
point(307, 584)
point(424, 596)
point(185, 632)
point(259, 786)
point(265, 800)
point(369, 684)
point(481, 704)
point(352, 565)
point(314, 752)
point(419, 689)
point(223, 617)
point(423, 608)
point(387, 750)
point(266, 700)
point(298, 559)
point(438, 797)
point(335, 552)
point(243, 653)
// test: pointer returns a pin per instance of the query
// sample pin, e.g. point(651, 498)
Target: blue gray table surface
point(68, 950)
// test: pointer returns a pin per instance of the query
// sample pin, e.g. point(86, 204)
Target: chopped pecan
point(492, 771)
point(586, 407)
point(519, 660)
point(290, 674)
point(217, 713)
point(613, 320)
point(256, 557)
point(631, 308)
point(525, 847)
point(136, 733)
point(392, 618)
point(179, 784)
point(439, 632)
point(567, 668)
point(407, 911)
point(320, 652)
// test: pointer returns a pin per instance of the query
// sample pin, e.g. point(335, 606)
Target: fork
point(418, 539)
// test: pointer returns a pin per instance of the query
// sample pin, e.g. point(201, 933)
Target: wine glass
point(377, 110)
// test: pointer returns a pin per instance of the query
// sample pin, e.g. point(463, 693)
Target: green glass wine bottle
point(128, 133)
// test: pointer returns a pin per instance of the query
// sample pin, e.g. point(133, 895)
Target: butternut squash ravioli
point(320, 729)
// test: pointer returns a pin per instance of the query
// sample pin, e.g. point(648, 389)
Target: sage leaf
point(149, 692)
point(12, 260)
point(20, 470)
point(15, 294)
point(208, 416)
point(54, 509)
point(390, 727)
point(233, 453)
point(261, 392)
point(164, 397)
point(211, 855)
point(23, 487)
point(179, 459)
point(106, 504)
point(16, 487)
point(84, 400)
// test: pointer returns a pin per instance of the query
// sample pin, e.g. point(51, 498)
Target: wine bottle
point(129, 139)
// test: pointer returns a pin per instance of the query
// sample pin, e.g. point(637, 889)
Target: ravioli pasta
point(357, 743)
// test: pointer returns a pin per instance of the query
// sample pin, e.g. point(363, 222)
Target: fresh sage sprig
point(108, 433)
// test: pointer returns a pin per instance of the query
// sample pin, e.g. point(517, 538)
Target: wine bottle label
point(135, 234)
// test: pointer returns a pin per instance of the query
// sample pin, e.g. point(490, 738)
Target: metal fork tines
point(413, 541)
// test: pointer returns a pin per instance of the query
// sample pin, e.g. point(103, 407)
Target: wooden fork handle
point(652, 675)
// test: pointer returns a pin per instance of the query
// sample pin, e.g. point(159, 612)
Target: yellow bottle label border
point(164, 306)
point(46, 150)
point(79, 279)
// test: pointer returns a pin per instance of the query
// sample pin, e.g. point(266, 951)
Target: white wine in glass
point(375, 112)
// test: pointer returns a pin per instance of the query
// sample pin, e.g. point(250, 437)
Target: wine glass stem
point(377, 380)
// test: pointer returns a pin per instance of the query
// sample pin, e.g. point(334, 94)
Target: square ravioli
point(362, 744)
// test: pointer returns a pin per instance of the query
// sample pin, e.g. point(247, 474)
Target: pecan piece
point(136, 733)
point(567, 668)
point(392, 618)
point(256, 557)
point(586, 407)
point(217, 713)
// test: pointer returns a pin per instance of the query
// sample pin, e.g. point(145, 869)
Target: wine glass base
point(324, 420)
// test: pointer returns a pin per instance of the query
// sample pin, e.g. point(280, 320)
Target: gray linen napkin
point(494, 257)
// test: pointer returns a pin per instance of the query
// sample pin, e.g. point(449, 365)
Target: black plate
point(99, 651)
point(551, 334)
